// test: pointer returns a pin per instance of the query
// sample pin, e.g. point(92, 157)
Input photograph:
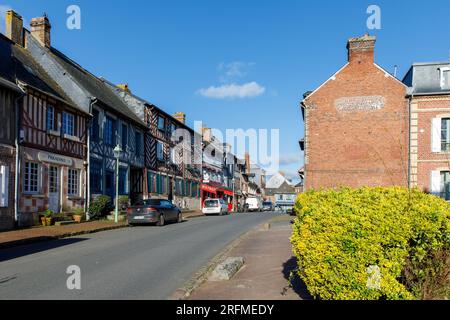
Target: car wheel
point(161, 221)
point(180, 217)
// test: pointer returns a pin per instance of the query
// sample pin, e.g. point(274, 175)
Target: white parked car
point(254, 204)
point(215, 206)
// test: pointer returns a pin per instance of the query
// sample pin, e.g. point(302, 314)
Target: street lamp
point(117, 151)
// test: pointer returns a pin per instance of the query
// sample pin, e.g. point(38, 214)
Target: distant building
point(356, 125)
point(429, 96)
point(280, 191)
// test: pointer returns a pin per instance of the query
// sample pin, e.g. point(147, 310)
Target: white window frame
point(4, 186)
point(26, 188)
point(52, 127)
point(72, 180)
point(65, 124)
point(442, 71)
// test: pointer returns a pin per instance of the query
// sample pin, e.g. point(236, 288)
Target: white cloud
point(233, 91)
point(3, 9)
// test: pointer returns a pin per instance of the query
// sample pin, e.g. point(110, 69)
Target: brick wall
point(423, 160)
point(357, 127)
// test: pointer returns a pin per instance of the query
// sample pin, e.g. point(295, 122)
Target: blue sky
point(238, 64)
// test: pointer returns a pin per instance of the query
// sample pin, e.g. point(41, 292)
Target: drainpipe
point(409, 140)
point(17, 108)
point(92, 102)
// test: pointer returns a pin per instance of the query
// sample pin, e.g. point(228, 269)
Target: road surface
point(143, 262)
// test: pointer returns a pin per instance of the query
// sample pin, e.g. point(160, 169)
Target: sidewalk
point(264, 276)
point(36, 234)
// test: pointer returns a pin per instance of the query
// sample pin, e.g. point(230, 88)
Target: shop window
point(151, 182)
point(50, 118)
point(31, 177)
point(73, 182)
point(68, 124)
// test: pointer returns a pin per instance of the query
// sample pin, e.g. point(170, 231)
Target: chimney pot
point(14, 27)
point(40, 30)
point(361, 49)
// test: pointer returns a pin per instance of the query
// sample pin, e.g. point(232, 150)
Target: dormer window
point(445, 78)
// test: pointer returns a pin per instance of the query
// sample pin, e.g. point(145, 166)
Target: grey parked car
point(158, 211)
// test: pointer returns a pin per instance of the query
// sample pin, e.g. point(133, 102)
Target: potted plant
point(78, 215)
point(47, 219)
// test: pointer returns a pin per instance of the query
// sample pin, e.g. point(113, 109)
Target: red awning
point(208, 188)
point(227, 192)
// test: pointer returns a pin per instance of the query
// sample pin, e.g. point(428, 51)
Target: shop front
point(211, 191)
point(49, 181)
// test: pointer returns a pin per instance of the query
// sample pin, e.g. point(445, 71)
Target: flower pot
point(77, 218)
point(43, 221)
point(48, 222)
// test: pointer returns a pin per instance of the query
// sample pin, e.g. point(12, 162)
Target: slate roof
point(18, 64)
point(424, 78)
point(95, 86)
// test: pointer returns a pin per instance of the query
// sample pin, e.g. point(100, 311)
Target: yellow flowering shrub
point(357, 243)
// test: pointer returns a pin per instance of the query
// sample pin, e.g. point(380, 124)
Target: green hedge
point(372, 243)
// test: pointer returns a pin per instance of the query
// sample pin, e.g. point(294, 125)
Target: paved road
point(132, 263)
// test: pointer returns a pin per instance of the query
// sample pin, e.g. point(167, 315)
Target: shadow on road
point(27, 249)
point(297, 284)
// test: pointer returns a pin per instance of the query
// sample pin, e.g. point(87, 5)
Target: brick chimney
point(14, 27)
point(247, 162)
point(40, 30)
point(180, 116)
point(361, 50)
point(207, 134)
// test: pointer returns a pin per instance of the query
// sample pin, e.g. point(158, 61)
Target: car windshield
point(211, 203)
point(267, 203)
point(150, 202)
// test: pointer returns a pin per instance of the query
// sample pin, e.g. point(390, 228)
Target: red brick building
point(356, 125)
point(429, 94)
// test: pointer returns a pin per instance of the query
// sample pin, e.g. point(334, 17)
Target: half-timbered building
point(112, 122)
point(9, 95)
point(52, 134)
point(172, 160)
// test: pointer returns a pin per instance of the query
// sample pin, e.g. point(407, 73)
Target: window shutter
point(4, 179)
point(436, 135)
point(436, 182)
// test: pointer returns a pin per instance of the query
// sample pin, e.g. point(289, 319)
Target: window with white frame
point(31, 177)
point(73, 181)
point(440, 184)
point(68, 124)
point(445, 134)
point(4, 185)
point(50, 118)
point(445, 78)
